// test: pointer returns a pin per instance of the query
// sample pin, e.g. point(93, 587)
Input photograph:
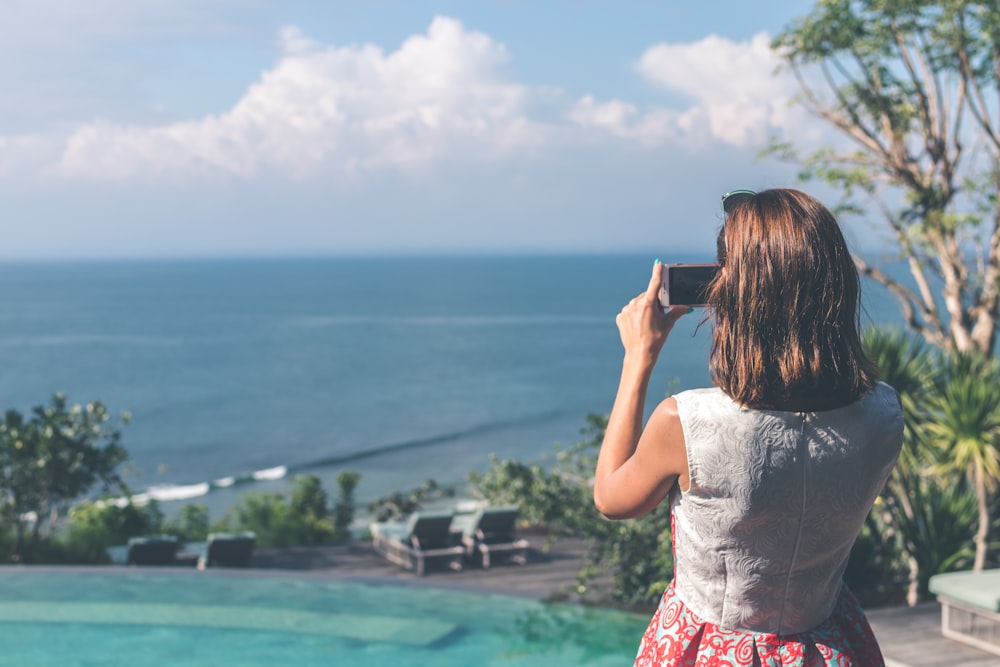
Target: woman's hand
point(643, 324)
point(636, 469)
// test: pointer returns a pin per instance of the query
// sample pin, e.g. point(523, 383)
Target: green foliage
point(304, 519)
point(92, 527)
point(636, 552)
point(558, 496)
point(546, 497)
point(964, 423)
point(190, 525)
point(401, 504)
point(51, 459)
point(343, 509)
point(911, 85)
point(964, 415)
point(628, 562)
point(928, 508)
point(876, 570)
point(908, 365)
point(933, 517)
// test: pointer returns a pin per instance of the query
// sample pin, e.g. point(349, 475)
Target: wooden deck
point(549, 574)
point(909, 636)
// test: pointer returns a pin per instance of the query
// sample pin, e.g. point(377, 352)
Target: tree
point(51, 459)
point(190, 525)
point(965, 423)
point(94, 526)
point(343, 509)
point(928, 505)
point(303, 519)
point(913, 85)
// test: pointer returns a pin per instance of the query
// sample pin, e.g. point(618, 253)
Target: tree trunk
point(984, 520)
point(913, 589)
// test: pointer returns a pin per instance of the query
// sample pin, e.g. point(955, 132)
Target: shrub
point(304, 519)
point(92, 527)
point(627, 562)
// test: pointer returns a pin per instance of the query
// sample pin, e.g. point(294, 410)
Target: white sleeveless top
point(762, 536)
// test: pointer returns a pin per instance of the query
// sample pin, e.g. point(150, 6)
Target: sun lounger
point(491, 530)
point(228, 550)
point(152, 550)
point(970, 607)
point(425, 536)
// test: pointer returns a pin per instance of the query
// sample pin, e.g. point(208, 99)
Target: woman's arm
point(636, 467)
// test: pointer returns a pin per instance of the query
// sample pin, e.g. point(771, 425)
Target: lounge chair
point(152, 550)
point(970, 607)
point(412, 543)
point(491, 530)
point(227, 550)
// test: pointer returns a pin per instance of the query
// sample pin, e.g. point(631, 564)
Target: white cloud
point(441, 96)
point(735, 96)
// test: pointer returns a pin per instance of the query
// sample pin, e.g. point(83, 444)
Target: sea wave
point(277, 472)
point(182, 492)
point(168, 492)
point(189, 492)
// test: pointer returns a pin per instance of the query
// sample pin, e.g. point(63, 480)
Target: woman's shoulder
point(702, 398)
point(883, 399)
point(701, 392)
point(883, 390)
point(882, 396)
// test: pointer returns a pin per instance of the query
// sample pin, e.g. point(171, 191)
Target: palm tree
point(924, 515)
point(906, 364)
point(964, 423)
point(933, 518)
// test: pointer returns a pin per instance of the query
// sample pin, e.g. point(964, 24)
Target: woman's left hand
point(643, 324)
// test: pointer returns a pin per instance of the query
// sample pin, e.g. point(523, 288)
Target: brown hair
point(786, 304)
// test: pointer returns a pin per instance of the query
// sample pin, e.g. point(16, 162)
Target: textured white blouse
point(776, 500)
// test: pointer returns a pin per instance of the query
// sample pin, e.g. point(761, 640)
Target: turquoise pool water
point(96, 618)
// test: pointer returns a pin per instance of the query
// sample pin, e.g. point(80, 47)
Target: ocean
point(240, 374)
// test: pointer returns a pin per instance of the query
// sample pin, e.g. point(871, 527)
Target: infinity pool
point(95, 617)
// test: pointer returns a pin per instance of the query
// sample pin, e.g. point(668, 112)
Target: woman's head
point(786, 303)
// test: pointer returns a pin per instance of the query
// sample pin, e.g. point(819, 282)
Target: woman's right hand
point(644, 325)
point(637, 467)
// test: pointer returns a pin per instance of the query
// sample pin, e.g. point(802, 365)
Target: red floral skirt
point(677, 637)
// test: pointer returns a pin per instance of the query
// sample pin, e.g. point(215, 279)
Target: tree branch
point(926, 106)
point(977, 101)
point(930, 327)
point(987, 307)
point(906, 298)
point(856, 128)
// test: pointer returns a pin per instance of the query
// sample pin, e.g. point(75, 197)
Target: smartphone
point(686, 284)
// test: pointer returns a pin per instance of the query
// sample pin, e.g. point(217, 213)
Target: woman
point(770, 473)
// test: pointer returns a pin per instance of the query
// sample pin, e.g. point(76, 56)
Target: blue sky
point(204, 128)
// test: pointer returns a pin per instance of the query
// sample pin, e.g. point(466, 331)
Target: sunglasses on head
point(731, 199)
